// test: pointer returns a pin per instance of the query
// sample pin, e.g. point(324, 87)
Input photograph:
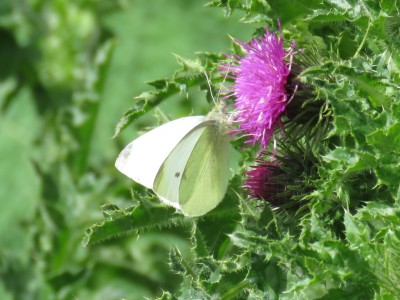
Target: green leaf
point(353, 233)
point(387, 140)
point(199, 243)
point(371, 86)
point(249, 240)
point(146, 101)
point(131, 220)
point(389, 175)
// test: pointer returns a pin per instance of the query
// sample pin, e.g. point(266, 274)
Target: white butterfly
point(185, 162)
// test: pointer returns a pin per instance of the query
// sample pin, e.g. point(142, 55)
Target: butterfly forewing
point(142, 159)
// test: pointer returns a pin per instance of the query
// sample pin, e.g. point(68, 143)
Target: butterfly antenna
point(219, 108)
point(220, 86)
point(209, 87)
point(226, 75)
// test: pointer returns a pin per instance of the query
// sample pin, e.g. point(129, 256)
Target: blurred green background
point(68, 72)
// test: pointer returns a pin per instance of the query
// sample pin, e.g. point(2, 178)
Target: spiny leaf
point(343, 9)
point(190, 65)
point(249, 240)
point(146, 101)
point(166, 296)
point(389, 136)
point(372, 87)
point(256, 10)
point(218, 223)
point(190, 75)
point(199, 243)
point(239, 262)
point(132, 219)
point(388, 174)
point(180, 266)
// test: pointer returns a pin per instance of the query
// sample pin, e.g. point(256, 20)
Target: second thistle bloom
point(261, 184)
point(260, 86)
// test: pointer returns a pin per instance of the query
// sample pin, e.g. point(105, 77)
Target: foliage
point(333, 234)
point(341, 240)
point(65, 67)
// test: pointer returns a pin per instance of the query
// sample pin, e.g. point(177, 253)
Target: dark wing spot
point(177, 174)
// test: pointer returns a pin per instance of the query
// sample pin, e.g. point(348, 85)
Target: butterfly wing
point(196, 173)
point(141, 159)
point(168, 179)
point(206, 176)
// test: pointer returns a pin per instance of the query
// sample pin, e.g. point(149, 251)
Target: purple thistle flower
point(260, 84)
point(260, 183)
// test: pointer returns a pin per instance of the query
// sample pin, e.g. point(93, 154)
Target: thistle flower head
point(283, 180)
point(260, 183)
point(259, 89)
